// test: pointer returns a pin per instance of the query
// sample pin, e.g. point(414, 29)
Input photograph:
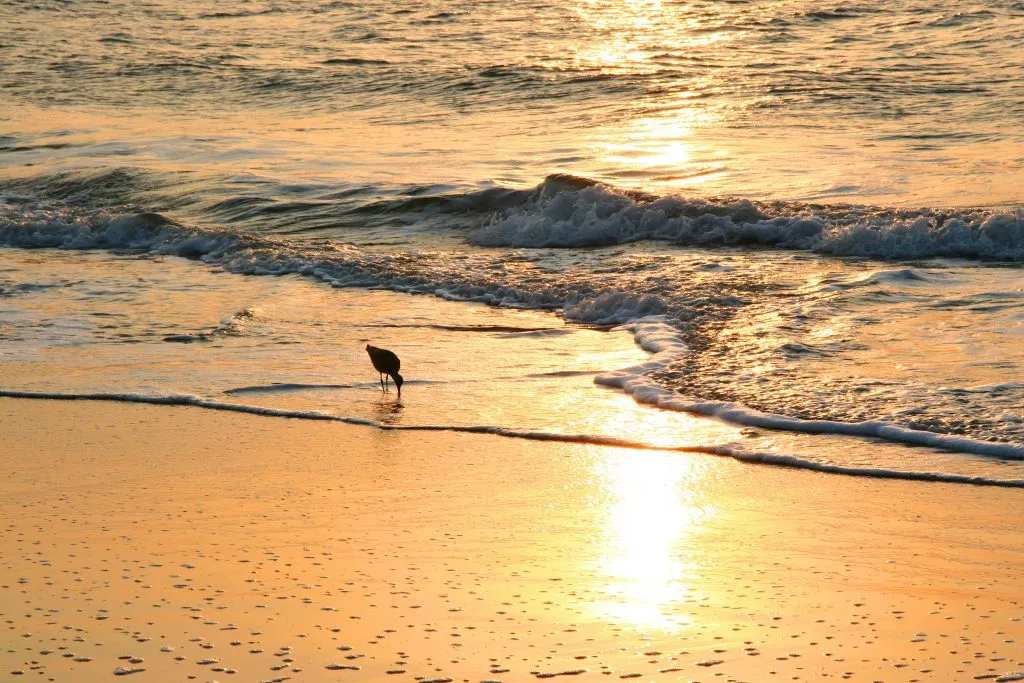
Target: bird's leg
point(386, 378)
point(382, 382)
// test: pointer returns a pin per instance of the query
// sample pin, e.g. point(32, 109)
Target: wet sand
point(170, 544)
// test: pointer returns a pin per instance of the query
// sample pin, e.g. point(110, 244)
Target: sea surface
point(782, 231)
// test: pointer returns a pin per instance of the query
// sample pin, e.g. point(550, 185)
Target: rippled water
point(820, 207)
point(907, 102)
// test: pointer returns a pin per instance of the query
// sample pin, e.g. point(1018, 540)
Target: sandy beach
point(707, 318)
point(170, 543)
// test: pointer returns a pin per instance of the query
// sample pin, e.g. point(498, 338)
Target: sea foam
point(554, 202)
point(567, 211)
point(655, 335)
point(562, 213)
point(340, 265)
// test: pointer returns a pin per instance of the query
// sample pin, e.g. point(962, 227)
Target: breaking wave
point(339, 264)
point(667, 310)
point(564, 211)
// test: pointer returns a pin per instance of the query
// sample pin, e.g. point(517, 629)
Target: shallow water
point(173, 330)
point(780, 196)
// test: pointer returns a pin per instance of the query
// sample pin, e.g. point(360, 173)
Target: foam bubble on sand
point(126, 670)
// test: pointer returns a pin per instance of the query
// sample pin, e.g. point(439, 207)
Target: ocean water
point(778, 231)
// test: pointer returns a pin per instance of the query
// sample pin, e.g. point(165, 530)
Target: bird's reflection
point(389, 411)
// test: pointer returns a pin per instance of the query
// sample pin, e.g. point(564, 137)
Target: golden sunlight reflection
point(655, 138)
point(662, 149)
point(638, 32)
point(613, 413)
point(656, 506)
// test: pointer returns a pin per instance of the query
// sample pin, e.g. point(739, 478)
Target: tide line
point(729, 451)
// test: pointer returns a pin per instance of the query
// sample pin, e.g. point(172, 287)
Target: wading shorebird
point(386, 363)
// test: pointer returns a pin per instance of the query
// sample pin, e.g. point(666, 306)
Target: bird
point(386, 363)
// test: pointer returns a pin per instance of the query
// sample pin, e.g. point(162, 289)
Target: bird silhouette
point(386, 363)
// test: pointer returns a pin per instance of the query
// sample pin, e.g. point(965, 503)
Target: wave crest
point(570, 212)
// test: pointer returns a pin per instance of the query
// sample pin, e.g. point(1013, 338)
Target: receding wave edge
point(662, 340)
point(730, 451)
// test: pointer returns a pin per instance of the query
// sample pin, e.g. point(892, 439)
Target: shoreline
point(654, 346)
point(476, 558)
point(740, 454)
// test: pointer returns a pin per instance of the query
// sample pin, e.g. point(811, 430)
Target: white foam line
point(653, 334)
point(774, 459)
point(560, 212)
